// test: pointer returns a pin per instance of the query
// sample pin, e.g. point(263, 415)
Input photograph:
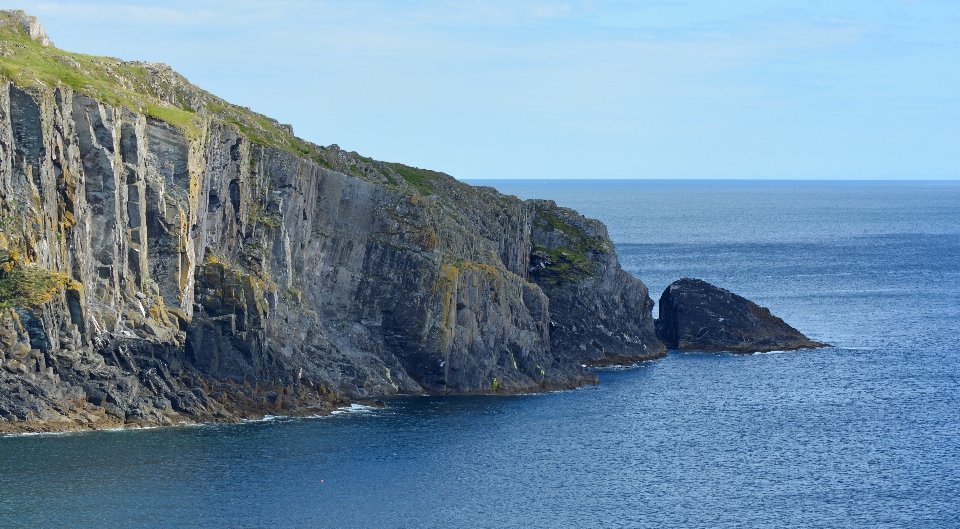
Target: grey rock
point(695, 315)
point(599, 314)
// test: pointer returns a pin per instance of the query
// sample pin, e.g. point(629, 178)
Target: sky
point(866, 89)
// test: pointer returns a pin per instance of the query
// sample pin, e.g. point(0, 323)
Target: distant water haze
point(755, 211)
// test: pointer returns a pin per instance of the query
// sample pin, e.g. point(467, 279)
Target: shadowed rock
point(695, 315)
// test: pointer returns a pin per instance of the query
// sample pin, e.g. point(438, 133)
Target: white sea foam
point(353, 408)
point(80, 432)
point(37, 434)
point(266, 418)
point(620, 367)
point(551, 392)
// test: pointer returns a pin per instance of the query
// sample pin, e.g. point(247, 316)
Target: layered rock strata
point(218, 267)
point(695, 315)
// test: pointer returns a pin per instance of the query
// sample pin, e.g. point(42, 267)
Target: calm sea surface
point(866, 434)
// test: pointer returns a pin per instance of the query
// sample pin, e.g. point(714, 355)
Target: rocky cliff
point(166, 256)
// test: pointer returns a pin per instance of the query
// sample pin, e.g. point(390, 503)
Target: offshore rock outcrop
point(695, 315)
point(217, 267)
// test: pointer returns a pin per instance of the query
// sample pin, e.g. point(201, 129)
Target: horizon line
point(954, 179)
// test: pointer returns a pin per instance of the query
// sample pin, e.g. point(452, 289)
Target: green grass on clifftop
point(420, 179)
point(29, 64)
point(156, 90)
point(152, 89)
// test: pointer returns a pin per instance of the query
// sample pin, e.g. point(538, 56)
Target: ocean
point(862, 434)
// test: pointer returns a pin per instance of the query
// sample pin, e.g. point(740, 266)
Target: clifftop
point(29, 60)
point(30, 25)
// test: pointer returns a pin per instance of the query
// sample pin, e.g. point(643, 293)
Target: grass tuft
point(27, 285)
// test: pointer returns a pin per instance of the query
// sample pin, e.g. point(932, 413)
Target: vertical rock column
point(168, 212)
point(134, 168)
point(95, 137)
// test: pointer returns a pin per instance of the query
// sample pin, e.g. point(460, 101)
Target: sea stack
point(695, 315)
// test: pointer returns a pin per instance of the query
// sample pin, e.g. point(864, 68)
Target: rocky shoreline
point(242, 405)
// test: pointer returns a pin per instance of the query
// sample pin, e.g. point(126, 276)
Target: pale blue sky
point(575, 89)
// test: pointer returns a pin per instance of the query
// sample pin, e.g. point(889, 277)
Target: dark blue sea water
point(866, 434)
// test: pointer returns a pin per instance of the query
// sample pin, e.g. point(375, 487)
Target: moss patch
point(572, 261)
point(273, 221)
point(26, 285)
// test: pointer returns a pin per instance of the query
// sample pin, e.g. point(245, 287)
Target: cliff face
point(595, 304)
point(214, 266)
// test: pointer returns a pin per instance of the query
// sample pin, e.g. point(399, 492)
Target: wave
point(266, 418)
point(35, 434)
point(353, 408)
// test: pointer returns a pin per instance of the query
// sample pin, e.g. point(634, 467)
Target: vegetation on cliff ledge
point(572, 260)
point(420, 179)
point(27, 285)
